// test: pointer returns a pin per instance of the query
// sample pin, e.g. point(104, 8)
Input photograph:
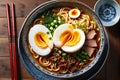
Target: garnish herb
point(97, 29)
point(64, 55)
point(50, 38)
point(83, 27)
point(51, 20)
point(55, 59)
point(81, 56)
point(48, 33)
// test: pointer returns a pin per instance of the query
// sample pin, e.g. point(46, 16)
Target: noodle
point(57, 63)
point(64, 13)
point(84, 19)
point(37, 21)
point(33, 53)
point(44, 62)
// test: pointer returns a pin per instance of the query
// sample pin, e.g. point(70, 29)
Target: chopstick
point(12, 42)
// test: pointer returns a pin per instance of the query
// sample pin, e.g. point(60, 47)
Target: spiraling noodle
point(64, 13)
point(57, 63)
point(44, 62)
point(33, 53)
point(84, 19)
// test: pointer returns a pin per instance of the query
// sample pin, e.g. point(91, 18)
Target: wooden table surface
point(110, 71)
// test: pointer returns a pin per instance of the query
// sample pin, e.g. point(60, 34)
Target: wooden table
point(110, 71)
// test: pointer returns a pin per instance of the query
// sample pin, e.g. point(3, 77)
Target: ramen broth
point(59, 61)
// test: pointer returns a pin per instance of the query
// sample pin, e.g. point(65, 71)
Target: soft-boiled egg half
point(68, 38)
point(40, 40)
point(74, 13)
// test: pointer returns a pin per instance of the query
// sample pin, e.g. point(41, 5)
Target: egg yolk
point(74, 12)
point(70, 38)
point(41, 39)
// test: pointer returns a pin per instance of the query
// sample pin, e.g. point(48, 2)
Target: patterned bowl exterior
point(108, 11)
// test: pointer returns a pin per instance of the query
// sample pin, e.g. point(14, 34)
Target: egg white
point(40, 51)
point(57, 33)
point(58, 43)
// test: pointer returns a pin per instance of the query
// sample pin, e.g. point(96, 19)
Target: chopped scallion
point(59, 51)
point(55, 59)
point(81, 56)
point(52, 23)
point(50, 38)
point(42, 16)
point(64, 55)
point(97, 29)
point(51, 28)
point(48, 32)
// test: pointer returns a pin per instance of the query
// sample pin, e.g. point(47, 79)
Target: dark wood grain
point(113, 61)
point(5, 69)
point(23, 7)
point(3, 26)
point(110, 70)
point(4, 51)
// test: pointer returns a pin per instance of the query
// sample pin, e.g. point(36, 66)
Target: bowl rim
point(81, 71)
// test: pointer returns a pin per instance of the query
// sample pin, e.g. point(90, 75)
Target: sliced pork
point(91, 34)
point(89, 50)
point(91, 43)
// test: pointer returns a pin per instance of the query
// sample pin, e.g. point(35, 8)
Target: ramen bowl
point(29, 23)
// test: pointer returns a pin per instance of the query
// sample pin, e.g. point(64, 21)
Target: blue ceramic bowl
point(108, 11)
point(45, 6)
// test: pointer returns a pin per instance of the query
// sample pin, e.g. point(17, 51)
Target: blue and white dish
point(108, 11)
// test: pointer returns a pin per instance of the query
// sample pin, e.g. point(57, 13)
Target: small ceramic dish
point(108, 11)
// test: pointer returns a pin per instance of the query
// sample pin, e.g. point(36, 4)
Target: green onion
point(48, 32)
point(51, 20)
point(83, 27)
point(64, 55)
point(52, 23)
point(81, 56)
point(97, 29)
point(59, 51)
point(51, 28)
point(42, 16)
point(84, 61)
point(56, 26)
point(55, 21)
point(55, 59)
point(50, 38)
point(55, 49)
point(59, 21)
